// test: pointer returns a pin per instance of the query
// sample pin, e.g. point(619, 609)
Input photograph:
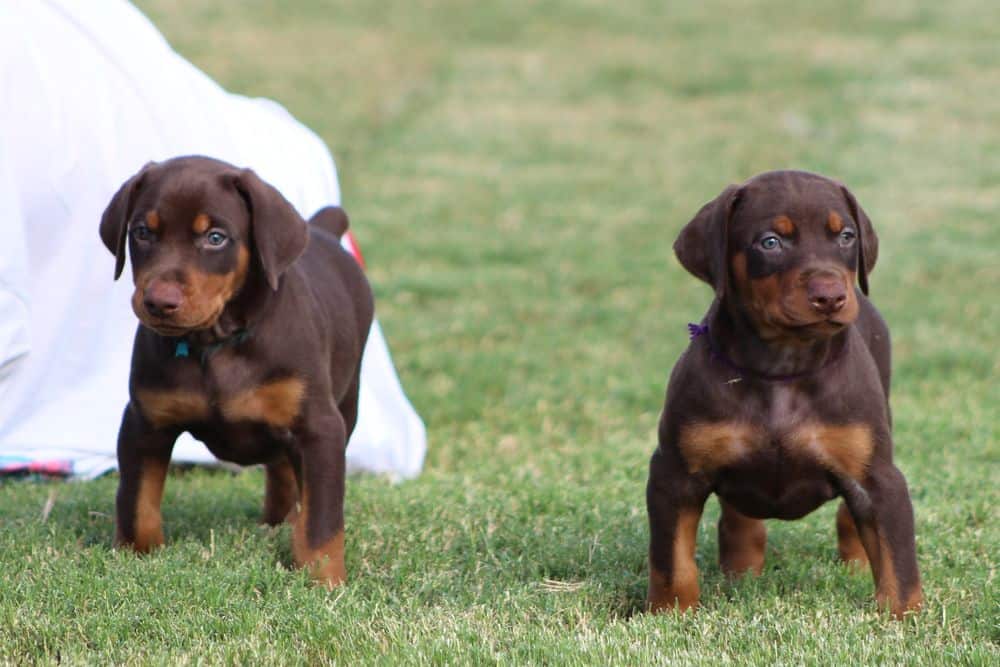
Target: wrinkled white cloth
point(89, 92)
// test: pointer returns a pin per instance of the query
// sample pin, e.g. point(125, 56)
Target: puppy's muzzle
point(827, 293)
point(162, 299)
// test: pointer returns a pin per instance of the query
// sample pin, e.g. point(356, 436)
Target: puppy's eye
point(215, 239)
point(142, 233)
point(846, 237)
point(770, 242)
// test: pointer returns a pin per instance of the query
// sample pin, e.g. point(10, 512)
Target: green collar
point(184, 347)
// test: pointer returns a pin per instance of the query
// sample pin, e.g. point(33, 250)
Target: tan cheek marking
point(834, 222)
point(783, 225)
point(213, 291)
point(764, 304)
point(153, 221)
point(172, 406)
point(710, 446)
point(738, 269)
point(846, 450)
point(326, 562)
point(201, 223)
point(209, 293)
point(242, 265)
point(275, 403)
point(849, 312)
point(762, 297)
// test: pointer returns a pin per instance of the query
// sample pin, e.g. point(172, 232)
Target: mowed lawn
point(516, 173)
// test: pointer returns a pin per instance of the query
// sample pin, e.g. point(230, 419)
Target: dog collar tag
point(182, 349)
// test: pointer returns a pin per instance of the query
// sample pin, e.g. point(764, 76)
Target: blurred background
point(517, 171)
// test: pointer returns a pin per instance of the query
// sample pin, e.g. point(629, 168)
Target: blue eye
point(215, 238)
point(770, 242)
point(846, 237)
point(142, 233)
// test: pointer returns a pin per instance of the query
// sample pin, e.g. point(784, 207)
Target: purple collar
point(697, 330)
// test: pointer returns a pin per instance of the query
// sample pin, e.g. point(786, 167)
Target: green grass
point(516, 173)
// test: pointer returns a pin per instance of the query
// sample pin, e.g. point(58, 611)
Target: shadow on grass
point(193, 506)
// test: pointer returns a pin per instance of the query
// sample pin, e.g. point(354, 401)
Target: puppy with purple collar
point(781, 401)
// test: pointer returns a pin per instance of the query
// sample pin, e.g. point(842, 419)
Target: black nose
point(827, 294)
point(162, 299)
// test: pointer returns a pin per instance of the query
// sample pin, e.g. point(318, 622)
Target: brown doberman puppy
point(252, 327)
point(781, 401)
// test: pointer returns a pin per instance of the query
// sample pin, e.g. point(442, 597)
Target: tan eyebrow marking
point(153, 220)
point(201, 223)
point(835, 223)
point(783, 225)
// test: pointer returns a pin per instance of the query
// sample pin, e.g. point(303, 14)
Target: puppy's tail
point(332, 219)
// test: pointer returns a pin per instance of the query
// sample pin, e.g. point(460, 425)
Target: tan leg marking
point(326, 562)
point(742, 542)
point(884, 572)
point(852, 551)
point(682, 592)
point(148, 521)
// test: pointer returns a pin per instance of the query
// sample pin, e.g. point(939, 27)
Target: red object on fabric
point(355, 248)
point(55, 468)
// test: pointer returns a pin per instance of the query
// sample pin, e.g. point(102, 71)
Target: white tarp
point(89, 92)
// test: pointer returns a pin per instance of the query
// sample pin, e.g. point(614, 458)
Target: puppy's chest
point(225, 390)
point(780, 426)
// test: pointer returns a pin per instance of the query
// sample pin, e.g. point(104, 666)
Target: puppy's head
point(196, 230)
point(786, 248)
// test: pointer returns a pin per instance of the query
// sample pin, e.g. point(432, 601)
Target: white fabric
point(89, 92)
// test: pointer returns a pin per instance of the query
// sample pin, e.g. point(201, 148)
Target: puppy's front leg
point(143, 457)
point(883, 514)
point(318, 535)
point(675, 500)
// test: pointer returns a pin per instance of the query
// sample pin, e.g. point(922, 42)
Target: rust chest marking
point(164, 407)
point(277, 403)
point(708, 446)
point(842, 449)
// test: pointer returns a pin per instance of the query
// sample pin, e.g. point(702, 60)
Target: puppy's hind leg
point(742, 541)
point(281, 492)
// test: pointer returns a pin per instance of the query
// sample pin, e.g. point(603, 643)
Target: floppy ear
point(114, 220)
point(702, 244)
point(867, 241)
point(279, 233)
